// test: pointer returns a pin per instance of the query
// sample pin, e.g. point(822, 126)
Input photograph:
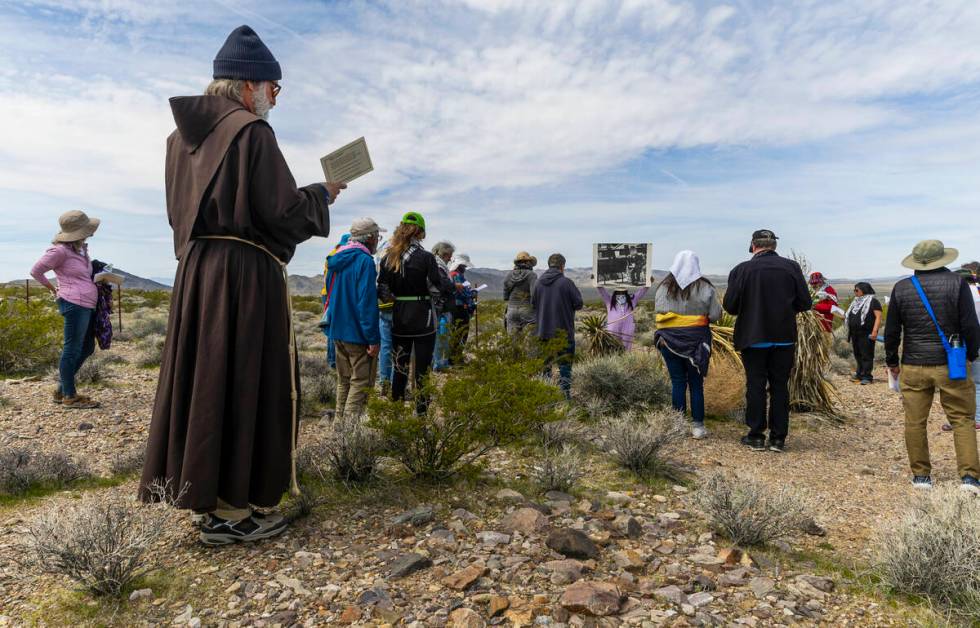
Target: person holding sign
point(224, 426)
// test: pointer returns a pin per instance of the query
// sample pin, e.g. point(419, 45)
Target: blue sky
point(849, 128)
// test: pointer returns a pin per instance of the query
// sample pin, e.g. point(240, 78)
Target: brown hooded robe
point(222, 419)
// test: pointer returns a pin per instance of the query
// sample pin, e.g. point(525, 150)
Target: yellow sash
point(670, 319)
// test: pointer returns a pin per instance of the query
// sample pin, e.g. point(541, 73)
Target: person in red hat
point(824, 300)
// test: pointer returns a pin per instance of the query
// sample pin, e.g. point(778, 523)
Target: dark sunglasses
point(276, 88)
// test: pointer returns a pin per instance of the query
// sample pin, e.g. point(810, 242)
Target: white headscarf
point(686, 268)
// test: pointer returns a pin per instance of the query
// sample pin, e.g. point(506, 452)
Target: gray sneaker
point(218, 531)
point(699, 431)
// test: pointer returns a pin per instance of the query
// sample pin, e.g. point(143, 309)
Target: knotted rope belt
point(293, 484)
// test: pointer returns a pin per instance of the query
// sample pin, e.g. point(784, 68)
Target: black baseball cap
point(764, 234)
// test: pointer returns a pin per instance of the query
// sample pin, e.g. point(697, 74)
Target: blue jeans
point(331, 350)
point(443, 336)
point(976, 385)
point(79, 344)
point(564, 360)
point(384, 355)
point(684, 376)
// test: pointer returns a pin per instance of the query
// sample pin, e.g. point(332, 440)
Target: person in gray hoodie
point(555, 300)
point(518, 288)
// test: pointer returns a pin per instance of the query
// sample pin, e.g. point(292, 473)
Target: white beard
point(261, 102)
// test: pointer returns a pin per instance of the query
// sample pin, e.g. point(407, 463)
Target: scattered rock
point(558, 496)
point(672, 594)
point(572, 543)
point(498, 604)
point(466, 618)
point(84, 427)
point(698, 600)
point(417, 516)
point(598, 599)
point(564, 571)
point(817, 582)
point(615, 497)
point(629, 560)
point(464, 578)
point(730, 555)
point(493, 538)
point(408, 564)
point(509, 496)
point(376, 596)
point(350, 615)
point(305, 559)
point(628, 527)
point(527, 521)
point(762, 587)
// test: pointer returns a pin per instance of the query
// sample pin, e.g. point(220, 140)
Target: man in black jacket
point(766, 293)
point(924, 369)
point(555, 300)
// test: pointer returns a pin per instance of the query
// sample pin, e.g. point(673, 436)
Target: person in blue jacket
point(352, 316)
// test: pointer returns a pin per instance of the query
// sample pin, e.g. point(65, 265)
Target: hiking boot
point(218, 531)
point(865, 382)
point(970, 485)
point(755, 444)
point(699, 431)
point(777, 445)
point(923, 482)
point(79, 402)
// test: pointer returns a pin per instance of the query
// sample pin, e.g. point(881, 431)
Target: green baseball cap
point(414, 218)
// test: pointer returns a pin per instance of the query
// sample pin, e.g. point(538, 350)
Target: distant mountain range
point(493, 277)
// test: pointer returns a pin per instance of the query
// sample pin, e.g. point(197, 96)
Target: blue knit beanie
point(245, 57)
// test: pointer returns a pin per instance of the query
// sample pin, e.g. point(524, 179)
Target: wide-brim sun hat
point(930, 255)
point(75, 225)
point(524, 256)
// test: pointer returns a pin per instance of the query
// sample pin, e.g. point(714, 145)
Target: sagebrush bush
point(636, 439)
point(318, 382)
point(128, 461)
point(495, 398)
point(150, 351)
point(95, 370)
point(349, 452)
point(22, 470)
point(559, 469)
point(841, 345)
point(103, 542)
point(30, 336)
point(556, 434)
point(147, 324)
point(748, 511)
point(933, 550)
point(616, 383)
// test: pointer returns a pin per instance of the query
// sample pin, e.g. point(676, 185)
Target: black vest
point(920, 340)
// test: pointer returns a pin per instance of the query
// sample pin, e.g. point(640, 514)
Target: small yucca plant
point(601, 340)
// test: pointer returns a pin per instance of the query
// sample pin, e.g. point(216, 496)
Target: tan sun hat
point(930, 255)
point(75, 226)
point(524, 256)
point(365, 227)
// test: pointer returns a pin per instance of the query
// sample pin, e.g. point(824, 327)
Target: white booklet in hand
point(347, 163)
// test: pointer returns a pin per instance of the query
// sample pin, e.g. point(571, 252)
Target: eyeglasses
point(276, 88)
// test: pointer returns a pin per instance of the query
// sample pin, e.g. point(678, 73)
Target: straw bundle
point(601, 341)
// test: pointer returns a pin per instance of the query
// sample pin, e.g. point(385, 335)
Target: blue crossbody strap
point(925, 302)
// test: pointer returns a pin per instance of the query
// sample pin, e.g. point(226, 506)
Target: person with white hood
point(686, 304)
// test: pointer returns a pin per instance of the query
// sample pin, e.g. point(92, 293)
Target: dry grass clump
point(636, 439)
point(724, 388)
point(613, 384)
point(933, 550)
point(748, 511)
point(150, 351)
point(146, 323)
point(102, 542)
point(22, 470)
point(840, 345)
point(349, 453)
point(557, 434)
point(318, 382)
point(96, 369)
point(600, 340)
point(559, 469)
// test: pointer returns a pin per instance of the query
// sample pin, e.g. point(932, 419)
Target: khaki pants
point(356, 371)
point(918, 385)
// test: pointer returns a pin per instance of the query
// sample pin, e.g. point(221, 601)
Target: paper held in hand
point(347, 163)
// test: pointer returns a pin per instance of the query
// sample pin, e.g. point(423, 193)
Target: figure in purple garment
point(620, 306)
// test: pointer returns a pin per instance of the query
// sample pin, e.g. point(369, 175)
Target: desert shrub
point(636, 439)
point(556, 434)
point(150, 352)
point(748, 511)
point(307, 303)
point(600, 340)
point(841, 345)
point(318, 382)
point(30, 336)
point(128, 461)
point(559, 469)
point(349, 453)
point(495, 398)
point(840, 366)
point(620, 382)
point(146, 324)
point(95, 370)
point(22, 470)
point(102, 542)
point(933, 550)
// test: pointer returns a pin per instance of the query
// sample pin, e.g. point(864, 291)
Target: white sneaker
point(922, 482)
point(699, 431)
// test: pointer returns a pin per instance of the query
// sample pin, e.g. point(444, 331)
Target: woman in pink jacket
point(619, 313)
point(77, 295)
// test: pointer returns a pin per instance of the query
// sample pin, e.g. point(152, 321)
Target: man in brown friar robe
point(224, 421)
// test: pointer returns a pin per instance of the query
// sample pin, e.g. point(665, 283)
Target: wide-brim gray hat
point(930, 255)
point(75, 226)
